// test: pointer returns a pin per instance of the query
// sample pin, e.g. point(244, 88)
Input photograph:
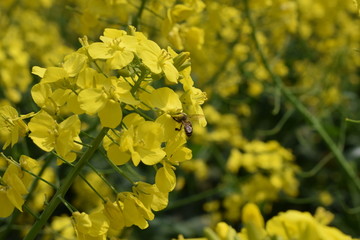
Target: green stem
point(195, 198)
point(118, 170)
point(138, 17)
point(103, 178)
point(60, 193)
point(302, 109)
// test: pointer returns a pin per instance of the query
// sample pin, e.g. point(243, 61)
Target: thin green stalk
point(195, 198)
point(317, 167)
point(352, 120)
point(138, 17)
point(278, 126)
point(301, 108)
point(60, 193)
point(103, 178)
point(39, 178)
point(70, 207)
point(92, 187)
point(118, 170)
point(30, 211)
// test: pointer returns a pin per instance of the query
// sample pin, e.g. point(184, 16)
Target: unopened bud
point(182, 61)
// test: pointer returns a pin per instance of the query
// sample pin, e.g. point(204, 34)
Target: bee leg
point(178, 129)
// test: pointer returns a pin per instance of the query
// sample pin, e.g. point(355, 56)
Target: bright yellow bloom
point(12, 127)
point(141, 141)
point(55, 101)
point(103, 96)
point(92, 226)
point(224, 231)
point(193, 98)
point(175, 151)
point(251, 215)
point(49, 135)
point(135, 212)
point(13, 185)
point(157, 60)
point(72, 66)
point(115, 214)
point(151, 196)
point(117, 47)
point(164, 99)
point(301, 225)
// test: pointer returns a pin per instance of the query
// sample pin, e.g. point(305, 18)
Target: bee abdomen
point(188, 129)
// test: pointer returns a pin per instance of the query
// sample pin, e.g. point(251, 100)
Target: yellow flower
point(103, 96)
point(164, 99)
point(115, 214)
point(234, 162)
point(92, 226)
point(135, 212)
point(55, 101)
point(294, 225)
point(141, 141)
point(12, 127)
point(157, 60)
point(49, 135)
point(151, 196)
point(254, 222)
point(13, 185)
point(72, 66)
point(224, 231)
point(192, 99)
point(117, 47)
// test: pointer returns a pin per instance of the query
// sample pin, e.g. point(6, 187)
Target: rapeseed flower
point(49, 135)
point(12, 127)
point(117, 48)
point(157, 60)
point(141, 142)
point(13, 185)
point(93, 226)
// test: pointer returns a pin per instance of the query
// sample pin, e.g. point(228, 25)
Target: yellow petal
point(150, 156)
point(165, 99)
point(54, 74)
point(40, 92)
point(74, 63)
point(39, 71)
point(100, 51)
point(42, 128)
point(92, 100)
point(111, 115)
point(7, 207)
point(165, 179)
point(116, 156)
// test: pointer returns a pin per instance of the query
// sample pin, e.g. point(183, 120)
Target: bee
point(185, 121)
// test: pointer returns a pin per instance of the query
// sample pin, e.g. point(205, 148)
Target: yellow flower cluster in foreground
point(289, 225)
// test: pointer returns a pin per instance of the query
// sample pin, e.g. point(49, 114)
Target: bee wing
point(199, 118)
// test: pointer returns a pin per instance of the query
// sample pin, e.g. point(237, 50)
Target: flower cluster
point(113, 80)
point(287, 225)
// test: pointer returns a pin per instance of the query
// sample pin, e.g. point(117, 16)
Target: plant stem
point(60, 193)
point(301, 108)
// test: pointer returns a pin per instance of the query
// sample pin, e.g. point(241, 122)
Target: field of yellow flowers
point(180, 119)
